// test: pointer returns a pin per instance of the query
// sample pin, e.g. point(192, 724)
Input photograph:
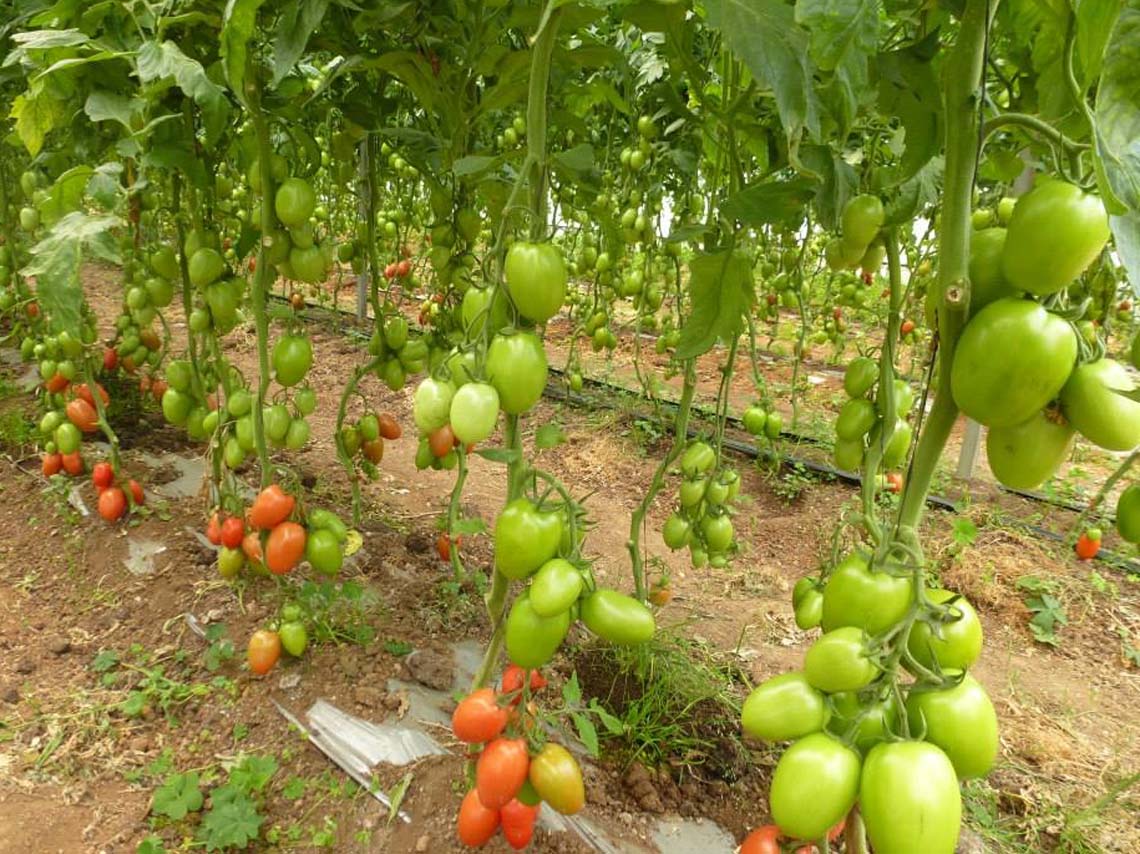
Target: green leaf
point(104, 106)
point(1118, 114)
point(160, 61)
point(764, 34)
point(839, 28)
point(548, 436)
point(293, 789)
point(909, 90)
point(233, 823)
point(238, 24)
point(253, 773)
point(56, 263)
point(839, 182)
point(1126, 239)
point(37, 113)
point(587, 733)
point(297, 21)
point(1094, 23)
point(613, 725)
point(107, 659)
point(721, 293)
point(571, 691)
point(580, 158)
point(151, 845)
point(473, 164)
point(396, 796)
point(771, 202)
point(178, 796)
point(106, 186)
point(469, 527)
point(498, 455)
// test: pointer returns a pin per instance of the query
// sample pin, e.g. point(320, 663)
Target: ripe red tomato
point(102, 475)
point(501, 771)
point(478, 717)
point(51, 464)
point(763, 840)
point(441, 441)
point(58, 382)
point(285, 547)
point(158, 388)
point(518, 823)
point(73, 463)
point(214, 529)
point(137, 494)
point(906, 327)
point(112, 504)
point(1088, 544)
point(83, 415)
point(403, 268)
point(84, 393)
point(443, 545)
point(264, 650)
point(477, 823)
point(271, 507)
point(513, 682)
point(110, 359)
point(251, 547)
point(231, 533)
point(389, 427)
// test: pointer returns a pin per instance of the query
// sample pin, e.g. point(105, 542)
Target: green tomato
point(837, 661)
point(308, 264)
point(294, 638)
point(68, 438)
point(1128, 514)
point(698, 458)
point(1012, 358)
point(531, 639)
point(474, 412)
point(276, 421)
point(814, 785)
point(773, 425)
point(329, 521)
point(784, 707)
point(957, 641)
point(243, 431)
point(536, 278)
point(232, 453)
point(431, 404)
point(717, 531)
point(525, 538)
point(754, 419)
point(230, 562)
point(179, 374)
point(961, 721)
point(856, 418)
point(987, 282)
point(1026, 455)
point(239, 403)
point(396, 333)
point(617, 618)
point(323, 550)
point(297, 434)
point(856, 595)
point(849, 455)
point(677, 532)
point(294, 202)
point(205, 267)
point(807, 602)
point(176, 406)
point(292, 358)
point(1055, 233)
point(517, 368)
point(692, 492)
point(862, 722)
point(555, 587)
point(305, 399)
point(861, 375)
point(369, 427)
point(910, 800)
point(1091, 401)
point(862, 218)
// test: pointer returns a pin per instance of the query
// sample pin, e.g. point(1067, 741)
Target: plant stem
point(963, 72)
point(680, 437)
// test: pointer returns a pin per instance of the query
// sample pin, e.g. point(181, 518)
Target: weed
point(1048, 611)
point(791, 482)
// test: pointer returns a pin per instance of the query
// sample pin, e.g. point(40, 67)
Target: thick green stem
point(963, 73)
point(536, 121)
point(680, 438)
point(262, 280)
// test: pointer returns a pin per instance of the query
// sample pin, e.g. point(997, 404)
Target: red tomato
point(389, 427)
point(390, 271)
point(1088, 544)
point(763, 840)
point(478, 717)
point(477, 824)
point(82, 414)
point(518, 823)
point(137, 494)
point(112, 504)
point(158, 388)
point(251, 547)
point(102, 475)
point(84, 393)
point(285, 547)
point(501, 771)
point(403, 268)
point(441, 441)
point(232, 532)
point(73, 463)
point(513, 682)
point(906, 327)
point(110, 359)
point(57, 383)
point(214, 529)
point(894, 482)
point(443, 546)
point(271, 507)
point(51, 464)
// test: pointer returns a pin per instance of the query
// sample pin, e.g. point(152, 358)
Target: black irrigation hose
point(746, 449)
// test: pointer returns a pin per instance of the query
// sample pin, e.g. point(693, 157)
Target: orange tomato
point(271, 507)
point(478, 717)
point(285, 547)
point(73, 463)
point(51, 464)
point(477, 824)
point(112, 504)
point(82, 414)
point(263, 651)
point(501, 771)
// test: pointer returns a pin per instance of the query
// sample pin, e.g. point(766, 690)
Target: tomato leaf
point(469, 527)
point(764, 34)
point(548, 436)
point(1126, 238)
point(770, 202)
point(587, 733)
point(160, 61)
point(580, 158)
point(498, 455)
point(238, 24)
point(1118, 115)
point(613, 725)
point(178, 796)
point(473, 164)
point(37, 112)
point(721, 292)
point(297, 21)
point(571, 691)
point(908, 89)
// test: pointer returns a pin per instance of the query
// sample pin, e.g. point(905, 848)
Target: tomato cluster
point(703, 521)
point(860, 424)
point(853, 722)
point(511, 784)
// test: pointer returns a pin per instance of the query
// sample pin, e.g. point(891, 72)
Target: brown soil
point(76, 775)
